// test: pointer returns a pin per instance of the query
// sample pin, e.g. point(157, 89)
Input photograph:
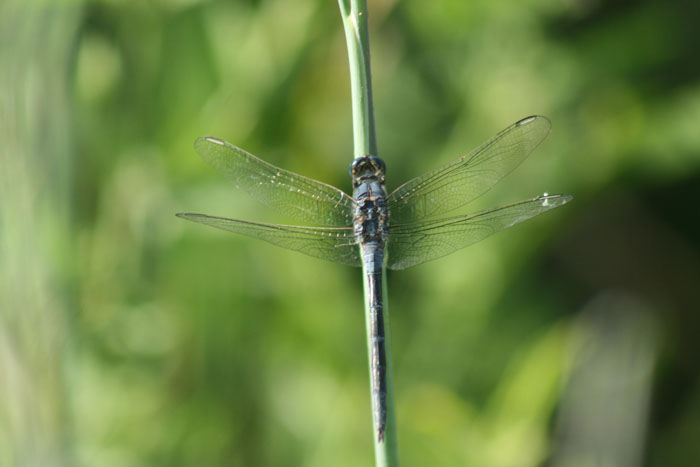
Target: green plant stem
point(354, 14)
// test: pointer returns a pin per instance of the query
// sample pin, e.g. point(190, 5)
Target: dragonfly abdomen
point(372, 256)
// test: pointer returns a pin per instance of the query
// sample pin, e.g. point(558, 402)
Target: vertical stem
point(354, 14)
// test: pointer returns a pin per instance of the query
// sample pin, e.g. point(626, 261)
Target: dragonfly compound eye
point(378, 164)
point(367, 165)
point(355, 166)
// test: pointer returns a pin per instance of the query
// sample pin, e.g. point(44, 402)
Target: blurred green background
point(129, 337)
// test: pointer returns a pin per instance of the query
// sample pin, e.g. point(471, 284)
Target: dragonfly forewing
point(461, 181)
point(333, 244)
point(293, 195)
point(415, 243)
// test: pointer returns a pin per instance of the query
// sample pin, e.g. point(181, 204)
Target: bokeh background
point(129, 337)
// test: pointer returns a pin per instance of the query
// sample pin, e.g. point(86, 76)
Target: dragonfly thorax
point(371, 218)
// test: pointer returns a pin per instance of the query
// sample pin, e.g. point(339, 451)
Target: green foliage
point(131, 338)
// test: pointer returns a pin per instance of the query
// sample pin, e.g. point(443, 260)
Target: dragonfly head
point(367, 168)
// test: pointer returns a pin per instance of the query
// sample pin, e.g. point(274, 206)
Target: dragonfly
point(373, 229)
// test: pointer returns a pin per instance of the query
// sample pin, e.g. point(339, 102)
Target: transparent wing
point(294, 195)
point(459, 182)
point(332, 244)
point(416, 243)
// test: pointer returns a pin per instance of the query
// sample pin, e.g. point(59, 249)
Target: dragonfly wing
point(332, 244)
point(459, 182)
point(416, 243)
point(291, 194)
